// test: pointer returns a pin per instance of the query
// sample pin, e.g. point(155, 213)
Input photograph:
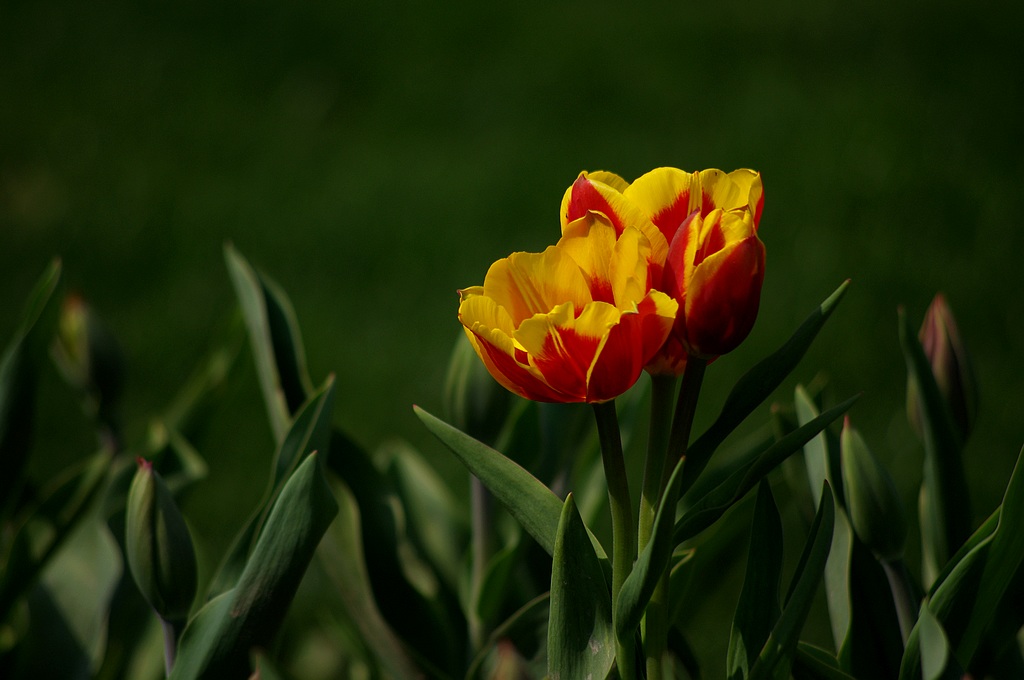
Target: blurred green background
point(373, 158)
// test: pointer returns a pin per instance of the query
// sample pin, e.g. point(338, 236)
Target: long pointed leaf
point(341, 555)
point(758, 608)
point(966, 597)
point(782, 643)
point(220, 638)
point(48, 526)
point(533, 504)
point(580, 639)
point(310, 432)
point(17, 386)
point(640, 584)
point(755, 386)
point(818, 461)
point(274, 337)
point(708, 509)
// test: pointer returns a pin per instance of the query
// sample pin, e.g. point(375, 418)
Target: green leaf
point(776, 656)
point(640, 584)
point(1004, 558)
point(220, 638)
point(934, 645)
point(17, 387)
point(580, 639)
point(816, 454)
point(716, 502)
point(755, 386)
point(46, 528)
point(965, 597)
point(758, 608)
point(310, 432)
point(535, 506)
point(945, 501)
point(341, 557)
point(435, 522)
point(275, 340)
point(813, 663)
point(68, 608)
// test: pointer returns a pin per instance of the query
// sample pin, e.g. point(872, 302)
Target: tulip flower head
point(707, 255)
point(575, 323)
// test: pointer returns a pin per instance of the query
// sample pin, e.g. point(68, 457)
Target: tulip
point(158, 546)
point(731, 258)
point(576, 323)
point(951, 365)
point(715, 269)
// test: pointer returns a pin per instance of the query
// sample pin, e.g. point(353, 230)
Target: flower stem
point(623, 531)
point(663, 389)
point(481, 532)
point(656, 623)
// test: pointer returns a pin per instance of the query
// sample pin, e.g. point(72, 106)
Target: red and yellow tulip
point(708, 256)
point(576, 323)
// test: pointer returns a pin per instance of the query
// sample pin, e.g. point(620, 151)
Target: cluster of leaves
point(398, 577)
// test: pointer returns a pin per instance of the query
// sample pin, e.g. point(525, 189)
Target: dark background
point(373, 158)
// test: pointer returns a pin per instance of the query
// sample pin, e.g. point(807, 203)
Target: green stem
point(481, 533)
point(623, 532)
point(656, 623)
point(663, 389)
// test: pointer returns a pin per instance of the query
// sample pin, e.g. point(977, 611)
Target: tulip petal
point(723, 297)
point(590, 242)
point(589, 194)
point(665, 195)
point(489, 329)
point(630, 344)
point(526, 284)
point(563, 347)
point(630, 268)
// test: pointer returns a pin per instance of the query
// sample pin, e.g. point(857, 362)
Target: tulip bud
point(473, 401)
point(89, 356)
point(159, 546)
point(874, 506)
point(951, 365)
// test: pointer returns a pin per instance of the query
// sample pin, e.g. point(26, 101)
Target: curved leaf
point(310, 431)
point(640, 584)
point(220, 638)
point(580, 639)
point(17, 386)
point(755, 386)
point(708, 509)
point(49, 525)
point(535, 506)
point(777, 654)
point(341, 555)
point(758, 608)
point(275, 340)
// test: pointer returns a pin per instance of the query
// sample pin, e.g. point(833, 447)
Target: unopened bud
point(875, 509)
point(951, 366)
point(159, 546)
point(88, 355)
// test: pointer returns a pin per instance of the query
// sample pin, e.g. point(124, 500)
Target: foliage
point(369, 563)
